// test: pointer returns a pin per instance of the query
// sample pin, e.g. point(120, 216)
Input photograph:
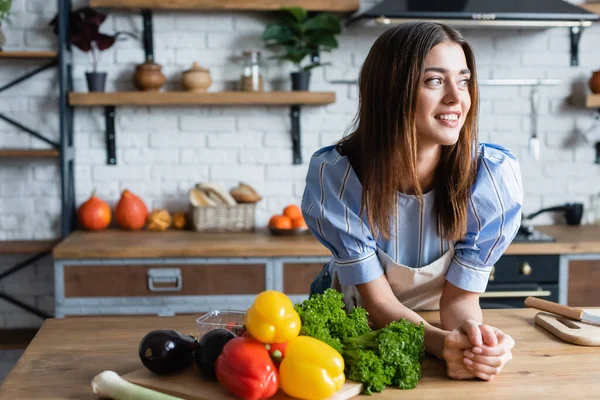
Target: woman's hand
point(492, 349)
point(455, 345)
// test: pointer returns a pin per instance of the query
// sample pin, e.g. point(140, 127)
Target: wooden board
point(190, 385)
point(26, 246)
point(117, 243)
point(570, 331)
point(310, 5)
point(21, 153)
point(592, 101)
point(591, 7)
point(206, 99)
point(28, 54)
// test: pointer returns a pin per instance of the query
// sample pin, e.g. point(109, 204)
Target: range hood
point(467, 13)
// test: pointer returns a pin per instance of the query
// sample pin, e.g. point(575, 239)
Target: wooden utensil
point(575, 332)
point(189, 384)
point(575, 313)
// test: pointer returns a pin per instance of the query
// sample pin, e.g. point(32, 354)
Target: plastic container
point(232, 320)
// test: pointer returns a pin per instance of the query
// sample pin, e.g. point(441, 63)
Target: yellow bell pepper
point(272, 318)
point(311, 369)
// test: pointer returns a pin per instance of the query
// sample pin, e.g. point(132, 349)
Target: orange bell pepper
point(272, 318)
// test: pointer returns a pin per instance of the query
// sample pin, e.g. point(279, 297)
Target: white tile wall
point(161, 151)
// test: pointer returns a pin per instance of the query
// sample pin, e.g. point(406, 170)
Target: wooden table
point(67, 353)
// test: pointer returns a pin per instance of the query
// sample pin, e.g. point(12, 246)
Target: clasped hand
point(476, 350)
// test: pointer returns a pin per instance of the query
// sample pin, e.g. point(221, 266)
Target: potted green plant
point(295, 35)
point(5, 6)
point(84, 33)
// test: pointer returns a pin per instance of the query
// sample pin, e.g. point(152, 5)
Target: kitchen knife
point(559, 309)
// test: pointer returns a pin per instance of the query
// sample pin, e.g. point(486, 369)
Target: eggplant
point(166, 351)
point(210, 347)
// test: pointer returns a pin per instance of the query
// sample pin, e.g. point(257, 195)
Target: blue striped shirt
point(331, 206)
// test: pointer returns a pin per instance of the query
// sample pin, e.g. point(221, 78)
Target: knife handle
point(555, 308)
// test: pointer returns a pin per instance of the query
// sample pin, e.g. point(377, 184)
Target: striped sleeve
point(494, 216)
point(330, 205)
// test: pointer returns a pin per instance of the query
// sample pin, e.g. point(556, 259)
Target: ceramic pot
point(300, 80)
point(196, 79)
point(96, 81)
point(594, 82)
point(149, 77)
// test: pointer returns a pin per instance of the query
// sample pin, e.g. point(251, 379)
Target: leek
point(110, 384)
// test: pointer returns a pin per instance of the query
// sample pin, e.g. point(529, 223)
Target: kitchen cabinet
point(117, 272)
point(584, 283)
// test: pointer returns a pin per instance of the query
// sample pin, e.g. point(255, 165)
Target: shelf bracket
point(109, 117)
point(296, 148)
point(575, 38)
point(148, 34)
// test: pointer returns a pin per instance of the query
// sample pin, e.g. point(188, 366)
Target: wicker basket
point(236, 218)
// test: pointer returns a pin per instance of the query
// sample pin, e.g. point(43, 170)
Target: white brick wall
point(162, 151)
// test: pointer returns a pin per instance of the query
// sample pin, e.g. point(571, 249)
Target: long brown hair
point(383, 146)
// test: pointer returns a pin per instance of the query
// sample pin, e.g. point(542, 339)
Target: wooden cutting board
point(570, 331)
point(190, 385)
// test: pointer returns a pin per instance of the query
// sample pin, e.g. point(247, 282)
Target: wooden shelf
point(26, 246)
point(591, 7)
point(258, 5)
point(189, 98)
point(29, 153)
point(28, 54)
point(593, 101)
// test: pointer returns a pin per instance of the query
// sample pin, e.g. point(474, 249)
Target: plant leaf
point(298, 13)
point(323, 41)
point(296, 54)
point(278, 34)
point(105, 41)
point(324, 21)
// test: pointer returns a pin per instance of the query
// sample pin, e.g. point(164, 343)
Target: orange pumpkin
point(131, 211)
point(94, 214)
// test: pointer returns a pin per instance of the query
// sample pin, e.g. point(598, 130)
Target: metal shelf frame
point(64, 146)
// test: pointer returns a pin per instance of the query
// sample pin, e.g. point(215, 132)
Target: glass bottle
point(251, 79)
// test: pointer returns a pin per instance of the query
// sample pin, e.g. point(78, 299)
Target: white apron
point(419, 289)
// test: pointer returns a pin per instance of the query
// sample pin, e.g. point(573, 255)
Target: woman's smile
point(450, 119)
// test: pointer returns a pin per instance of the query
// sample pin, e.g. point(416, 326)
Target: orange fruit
point(280, 222)
point(299, 223)
point(292, 211)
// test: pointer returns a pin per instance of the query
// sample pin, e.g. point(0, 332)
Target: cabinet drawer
point(297, 277)
point(544, 268)
point(158, 280)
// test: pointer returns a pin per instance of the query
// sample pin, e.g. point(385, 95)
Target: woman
point(414, 210)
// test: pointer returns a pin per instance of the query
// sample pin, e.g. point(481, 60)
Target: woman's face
point(444, 100)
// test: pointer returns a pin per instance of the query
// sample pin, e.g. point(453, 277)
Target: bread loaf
point(216, 193)
point(245, 193)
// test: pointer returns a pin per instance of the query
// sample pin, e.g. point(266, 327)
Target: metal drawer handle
point(526, 269)
point(524, 293)
point(164, 275)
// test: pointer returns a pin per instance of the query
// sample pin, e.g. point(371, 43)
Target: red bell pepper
point(245, 368)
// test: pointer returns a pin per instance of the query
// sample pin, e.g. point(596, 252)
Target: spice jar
point(251, 79)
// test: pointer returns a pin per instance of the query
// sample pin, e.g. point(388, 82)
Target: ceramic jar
point(196, 79)
point(149, 77)
point(594, 82)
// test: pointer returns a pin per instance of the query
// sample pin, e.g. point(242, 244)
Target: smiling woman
point(414, 210)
